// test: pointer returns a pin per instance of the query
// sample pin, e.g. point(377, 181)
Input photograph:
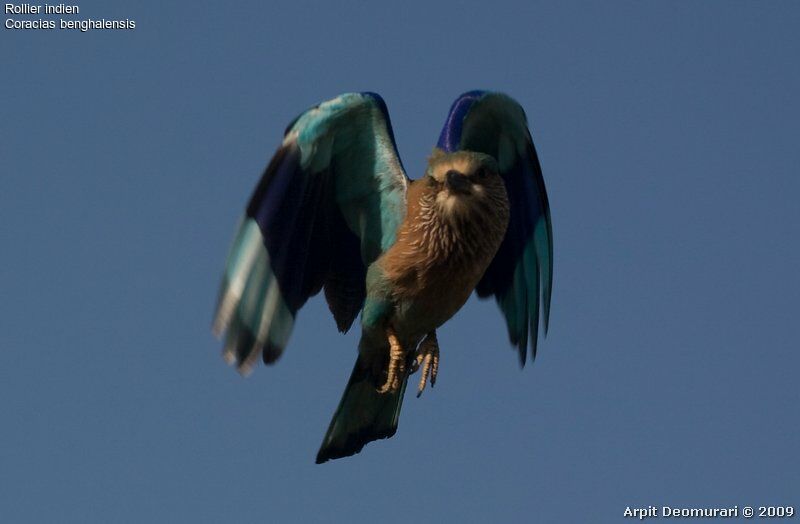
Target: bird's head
point(465, 182)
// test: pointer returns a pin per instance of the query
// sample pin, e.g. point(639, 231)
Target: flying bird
point(335, 211)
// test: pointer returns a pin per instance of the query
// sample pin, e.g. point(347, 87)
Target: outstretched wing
point(522, 270)
point(328, 204)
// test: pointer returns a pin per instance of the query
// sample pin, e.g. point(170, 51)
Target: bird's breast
point(432, 304)
point(435, 265)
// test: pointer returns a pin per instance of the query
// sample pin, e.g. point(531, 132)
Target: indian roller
point(335, 211)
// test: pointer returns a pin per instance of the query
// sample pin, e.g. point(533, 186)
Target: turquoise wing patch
point(521, 275)
point(328, 204)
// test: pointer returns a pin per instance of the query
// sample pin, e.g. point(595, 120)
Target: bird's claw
point(395, 371)
point(428, 360)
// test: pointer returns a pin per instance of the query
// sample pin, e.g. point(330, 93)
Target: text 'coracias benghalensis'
point(335, 210)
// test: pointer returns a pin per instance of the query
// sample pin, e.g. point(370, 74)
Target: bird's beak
point(457, 183)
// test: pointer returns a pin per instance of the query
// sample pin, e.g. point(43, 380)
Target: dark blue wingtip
point(375, 96)
point(378, 98)
point(450, 137)
point(381, 105)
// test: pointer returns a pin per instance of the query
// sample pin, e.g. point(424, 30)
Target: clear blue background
point(668, 134)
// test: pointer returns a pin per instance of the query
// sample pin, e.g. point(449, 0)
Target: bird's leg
point(396, 369)
point(427, 359)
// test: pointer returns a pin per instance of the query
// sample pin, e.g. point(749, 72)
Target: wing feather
point(521, 274)
point(328, 204)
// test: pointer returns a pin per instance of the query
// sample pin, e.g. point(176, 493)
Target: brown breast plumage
point(439, 257)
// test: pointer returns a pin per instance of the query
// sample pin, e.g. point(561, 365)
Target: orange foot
point(427, 359)
point(395, 372)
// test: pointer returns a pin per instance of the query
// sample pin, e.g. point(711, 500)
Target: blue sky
point(667, 134)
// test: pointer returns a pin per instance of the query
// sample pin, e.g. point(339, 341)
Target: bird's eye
point(481, 173)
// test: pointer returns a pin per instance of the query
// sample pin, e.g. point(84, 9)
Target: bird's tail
point(363, 415)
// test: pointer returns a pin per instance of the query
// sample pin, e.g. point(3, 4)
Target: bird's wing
point(521, 274)
point(328, 204)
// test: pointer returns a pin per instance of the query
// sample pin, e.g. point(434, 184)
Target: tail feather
point(363, 415)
